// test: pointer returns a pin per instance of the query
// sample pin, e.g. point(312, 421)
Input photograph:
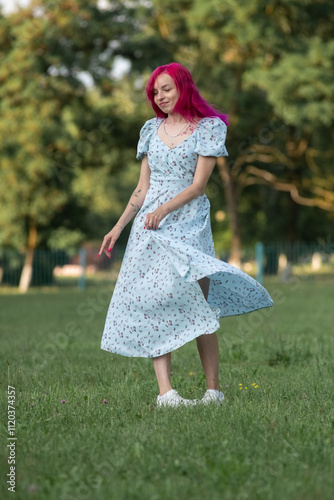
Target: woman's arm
point(135, 203)
point(137, 198)
point(204, 168)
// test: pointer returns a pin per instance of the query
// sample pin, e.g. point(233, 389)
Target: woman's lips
point(163, 103)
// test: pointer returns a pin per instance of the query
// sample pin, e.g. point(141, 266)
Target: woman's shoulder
point(146, 133)
point(151, 124)
point(212, 122)
point(211, 135)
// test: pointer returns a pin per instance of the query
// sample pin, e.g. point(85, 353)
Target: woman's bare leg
point(162, 370)
point(204, 283)
point(208, 348)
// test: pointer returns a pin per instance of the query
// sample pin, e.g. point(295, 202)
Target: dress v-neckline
point(171, 149)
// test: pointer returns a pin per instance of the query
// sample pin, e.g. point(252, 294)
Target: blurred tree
point(62, 127)
point(69, 126)
point(270, 66)
point(279, 59)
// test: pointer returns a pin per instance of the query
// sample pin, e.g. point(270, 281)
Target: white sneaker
point(172, 398)
point(212, 396)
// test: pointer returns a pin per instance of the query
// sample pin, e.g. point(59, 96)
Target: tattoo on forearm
point(136, 208)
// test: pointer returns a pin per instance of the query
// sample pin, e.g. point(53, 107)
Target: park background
point(72, 102)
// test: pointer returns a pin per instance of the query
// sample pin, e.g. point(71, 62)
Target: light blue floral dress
point(157, 304)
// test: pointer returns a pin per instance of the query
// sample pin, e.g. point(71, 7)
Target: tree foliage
point(69, 127)
point(62, 133)
point(63, 136)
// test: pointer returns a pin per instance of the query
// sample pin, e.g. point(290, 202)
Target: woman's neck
point(175, 119)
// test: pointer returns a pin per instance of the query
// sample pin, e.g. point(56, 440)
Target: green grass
point(275, 441)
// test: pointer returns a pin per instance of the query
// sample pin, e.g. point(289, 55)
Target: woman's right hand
point(109, 240)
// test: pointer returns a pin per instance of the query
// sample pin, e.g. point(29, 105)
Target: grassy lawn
point(109, 441)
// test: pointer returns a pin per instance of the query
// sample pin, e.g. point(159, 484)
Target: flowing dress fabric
point(157, 304)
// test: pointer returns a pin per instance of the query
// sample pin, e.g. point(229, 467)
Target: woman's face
point(165, 93)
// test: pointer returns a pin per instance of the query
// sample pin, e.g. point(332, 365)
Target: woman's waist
point(169, 180)
point(199, 206)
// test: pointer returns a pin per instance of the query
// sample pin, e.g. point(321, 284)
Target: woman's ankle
point(213, 387)
point(163, 393)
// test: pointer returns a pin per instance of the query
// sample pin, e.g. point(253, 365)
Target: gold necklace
point(177, 135)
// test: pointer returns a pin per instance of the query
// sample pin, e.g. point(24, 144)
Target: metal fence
point(59, 268)
point(298, 257)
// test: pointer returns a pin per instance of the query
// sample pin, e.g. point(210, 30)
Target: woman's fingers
point(101, 250)
point(151, 221)
point(109, 241)
point(111, 244)
point(105, 245)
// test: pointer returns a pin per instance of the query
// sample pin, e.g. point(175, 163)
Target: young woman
point(171, 289)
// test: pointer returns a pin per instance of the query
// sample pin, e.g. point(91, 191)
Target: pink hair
point(190, 104)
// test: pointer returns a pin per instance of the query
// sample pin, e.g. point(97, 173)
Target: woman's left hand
point(153, 220)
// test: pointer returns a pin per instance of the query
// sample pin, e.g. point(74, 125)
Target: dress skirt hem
point(231, 293)
point(181, 343)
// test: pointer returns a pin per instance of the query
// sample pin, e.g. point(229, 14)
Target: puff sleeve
point(145, 135)
point(211, 135)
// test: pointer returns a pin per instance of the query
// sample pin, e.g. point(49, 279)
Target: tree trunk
point(26, 274)
point(232, 206)
point(292, 221)
point(232, 197)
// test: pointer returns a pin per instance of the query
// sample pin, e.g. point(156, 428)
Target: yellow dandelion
point(240, 388)
point(256, 386)
point(240, 384)
point(246, 387)
point(253, 383)
point(191, 373)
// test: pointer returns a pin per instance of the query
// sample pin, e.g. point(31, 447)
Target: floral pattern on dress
point(157, 304)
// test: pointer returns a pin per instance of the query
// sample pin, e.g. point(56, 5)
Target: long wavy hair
point(190, 103)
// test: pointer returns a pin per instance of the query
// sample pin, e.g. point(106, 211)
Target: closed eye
point(165, 90)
